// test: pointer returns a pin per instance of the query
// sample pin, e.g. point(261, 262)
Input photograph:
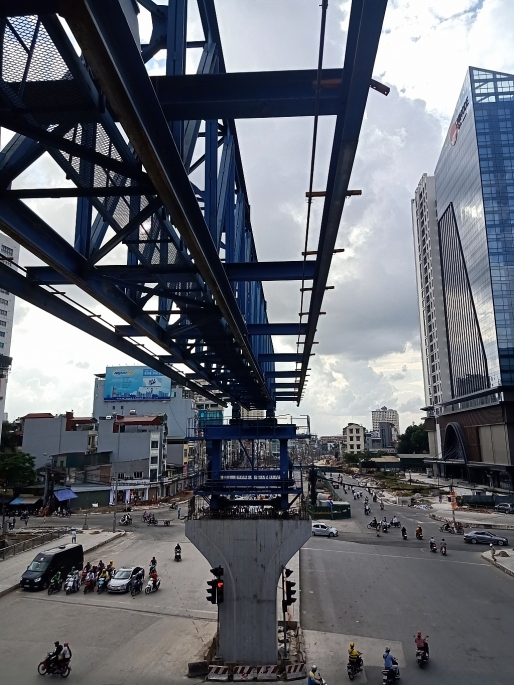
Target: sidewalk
point(471, 519)
point(11, 569)
point(506, 564)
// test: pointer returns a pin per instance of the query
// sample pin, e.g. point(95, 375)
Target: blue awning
point(63, 495)
point(28, 499)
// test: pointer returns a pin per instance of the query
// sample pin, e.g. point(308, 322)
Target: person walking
point(178, 513)
point(73, 536)
point(493, 551)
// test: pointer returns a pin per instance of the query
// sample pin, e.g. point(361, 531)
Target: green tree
point(414, 440)
point(17, 468)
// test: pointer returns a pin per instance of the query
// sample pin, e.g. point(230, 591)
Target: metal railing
point(36, 541)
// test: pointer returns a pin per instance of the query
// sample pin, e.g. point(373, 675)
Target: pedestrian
point(493, 551)
point(73, 536)
point(13, 522)
point(178, 513)
point(440, 498)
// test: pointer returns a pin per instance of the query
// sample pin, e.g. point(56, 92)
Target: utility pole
point(116, 483)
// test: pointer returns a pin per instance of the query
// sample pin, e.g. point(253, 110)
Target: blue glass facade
point(475, 205)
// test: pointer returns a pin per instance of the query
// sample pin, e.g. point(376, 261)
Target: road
point(117, 639)
point(380, 591)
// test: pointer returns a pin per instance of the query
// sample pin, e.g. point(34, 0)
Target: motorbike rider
point(395, 520)
point(76, 578)
point(153, 562)
point(419, 531)
point(421, 642)
point(432, 542)
point(110, 568)
point(178, 549)
point(314, 676)
point(66, 652)
point(56, 579)
point(404, 531)
point(373, 524)
point(154, 577)
point(443, 543)
point(389, 662)
point(104, 575)
point(446, 527)
point(101, 566)
point(381, 504)
point(354, 656)
point(55, 654)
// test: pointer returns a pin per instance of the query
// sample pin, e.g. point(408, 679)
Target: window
point(3, 312)
point(153, 474)
point(154, 460)
point(2, 301)
point(2, 334)
point(121, 475)
point(5, 292)
point(3, 323)
point(351, 430)
point(154, 445)
point(7, 250)
point(1, 345)
point(358, 447)
point(138, 474)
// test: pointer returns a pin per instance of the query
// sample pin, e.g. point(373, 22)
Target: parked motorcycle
point(150, 586)
point(54, 587)
point(60, 667)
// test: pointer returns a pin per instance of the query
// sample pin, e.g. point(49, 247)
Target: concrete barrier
point(296, 671)
point(218, 673)
point(243, 673)
point(267, 672)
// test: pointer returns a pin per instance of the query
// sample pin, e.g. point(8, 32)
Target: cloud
point(20, 312)
point(82, 365)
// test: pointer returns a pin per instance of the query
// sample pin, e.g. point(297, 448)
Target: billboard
point(135, 383)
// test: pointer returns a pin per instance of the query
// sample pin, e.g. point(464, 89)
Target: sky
point(368, 354)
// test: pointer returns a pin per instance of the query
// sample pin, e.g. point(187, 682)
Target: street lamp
point(116, 483)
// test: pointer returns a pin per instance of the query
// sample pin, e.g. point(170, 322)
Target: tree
point(16, 468)
point(414, 440)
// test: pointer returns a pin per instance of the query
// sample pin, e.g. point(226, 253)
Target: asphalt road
point(380, 591)
point(117, 639)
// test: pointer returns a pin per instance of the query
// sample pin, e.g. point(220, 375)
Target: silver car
point(323, 529)
point(123, 579)
point(485, 537)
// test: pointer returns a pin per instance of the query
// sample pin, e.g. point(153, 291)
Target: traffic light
point(290, 598)
point(216, 587)
point(211, 591)
point(219, 590)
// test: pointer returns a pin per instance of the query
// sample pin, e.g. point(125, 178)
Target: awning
point(29, 499)
point(63, 495)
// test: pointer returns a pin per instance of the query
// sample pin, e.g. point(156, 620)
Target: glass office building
point(464, 240)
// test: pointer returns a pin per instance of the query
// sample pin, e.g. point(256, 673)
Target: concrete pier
point(252, 553)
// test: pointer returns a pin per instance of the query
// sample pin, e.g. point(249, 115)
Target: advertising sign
point(130, 383)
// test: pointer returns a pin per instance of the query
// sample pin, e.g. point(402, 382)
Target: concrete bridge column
point(252, 554)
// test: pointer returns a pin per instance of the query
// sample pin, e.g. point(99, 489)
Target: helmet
point(352, 644)
point(387, 649)
point(419, 633)
point(66, 644)
point(56, 643)
point(314, 668)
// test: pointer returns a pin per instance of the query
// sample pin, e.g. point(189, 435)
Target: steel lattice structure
point(129, 143)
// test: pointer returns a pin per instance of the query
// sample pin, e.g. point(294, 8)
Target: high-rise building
point(463, 224)
point(10, 253)
point(385, 414)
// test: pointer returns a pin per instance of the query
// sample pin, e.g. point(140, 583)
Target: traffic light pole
point(284, 608)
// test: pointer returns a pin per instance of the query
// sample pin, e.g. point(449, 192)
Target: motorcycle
point(174, 505)
point(54, 587)
point(395, 525)
point(152, 521)
point(443, 550)
point(126, 520)
point(389, 677)
point(69, 585)
point(137, 587)
point(446, 528)
point(150, 586)
point(433, 547)
point(102, 585)
point(354, 667)
point(178, 555)
point(367, 510)
point(421, 656)
point(60, 667)
point(89, 586)
point(385, 526)
point(419, 536)
point(404, 536)
point(372, 525)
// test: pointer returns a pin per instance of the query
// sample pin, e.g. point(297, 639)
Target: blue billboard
point(135, 383)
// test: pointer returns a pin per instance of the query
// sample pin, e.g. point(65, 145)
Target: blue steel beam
point(21, 287)
point(281, 357)
point(103, 34)
point(365, 26)
point(277, 328)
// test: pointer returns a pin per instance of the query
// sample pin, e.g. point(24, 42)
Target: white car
point(323, 529)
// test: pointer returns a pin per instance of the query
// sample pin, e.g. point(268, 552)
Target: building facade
point(465, 278)
point(354, 438)
point(10, 254)
point(385, 414)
